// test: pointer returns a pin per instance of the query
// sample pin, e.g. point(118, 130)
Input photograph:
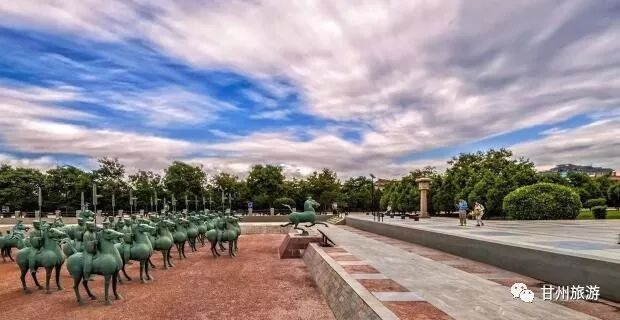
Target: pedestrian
point(478, 213)
point(462, 206)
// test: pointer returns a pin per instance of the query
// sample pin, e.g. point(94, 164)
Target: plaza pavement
point(460, 294)
point(588, 238)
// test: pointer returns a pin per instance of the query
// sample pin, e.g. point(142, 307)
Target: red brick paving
point(360, 269)
point(416, 310)
point(382, 285)
point(256, 284)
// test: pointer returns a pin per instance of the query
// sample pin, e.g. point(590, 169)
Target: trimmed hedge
point(542, 201)
point(599, 212)
point(595, 202)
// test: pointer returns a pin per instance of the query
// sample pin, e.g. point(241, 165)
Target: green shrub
point(542, 201)
point(280, 202)
point(599, 212)
point(595, 202)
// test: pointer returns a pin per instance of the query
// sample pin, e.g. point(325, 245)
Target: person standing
point(479, 212)
point(462, 206)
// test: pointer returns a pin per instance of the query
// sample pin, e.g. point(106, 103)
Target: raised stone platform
point(294, 244)
point(347, 298)
point(558, 252)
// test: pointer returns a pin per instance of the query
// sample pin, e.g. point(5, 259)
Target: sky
point(360, 87)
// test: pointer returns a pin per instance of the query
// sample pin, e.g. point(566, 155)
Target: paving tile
point(360, 269)
point(416, 310)
point(397, 296)
point(368, 276)
point(382, 285)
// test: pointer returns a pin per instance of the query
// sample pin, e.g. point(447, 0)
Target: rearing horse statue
point(308, 215)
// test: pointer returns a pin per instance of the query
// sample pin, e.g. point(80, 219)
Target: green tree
point(145, 184)
point(265, 184)
point(63, 186)
point(486, 177)
point(356, 192)
point(18, 187)
point(182, 179)
point(323, 186)
point(110, 179)
point(613, 194)
point(229, 184)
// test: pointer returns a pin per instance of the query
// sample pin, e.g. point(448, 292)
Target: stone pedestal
point(424, 185)
point(293, 245)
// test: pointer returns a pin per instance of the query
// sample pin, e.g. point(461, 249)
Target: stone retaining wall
point(347, 298)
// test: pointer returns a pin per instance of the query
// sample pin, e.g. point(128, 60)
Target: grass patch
point(587, 214)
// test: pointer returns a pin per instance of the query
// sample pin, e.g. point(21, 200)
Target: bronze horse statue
point(308, 216)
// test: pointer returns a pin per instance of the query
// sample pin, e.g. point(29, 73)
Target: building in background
point(564, 169)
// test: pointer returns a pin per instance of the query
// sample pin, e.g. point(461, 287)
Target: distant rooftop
point(589, 170)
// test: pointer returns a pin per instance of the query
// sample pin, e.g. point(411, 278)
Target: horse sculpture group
point(89, 249)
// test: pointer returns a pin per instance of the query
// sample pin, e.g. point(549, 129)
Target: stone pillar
point(424, 185)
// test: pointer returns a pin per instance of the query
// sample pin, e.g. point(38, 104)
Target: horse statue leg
point(22, 277)
point(57, 270)
point(147, 271)
point(107, 287)
point(76, 289)
point(48, 275)
point(115, 278)
point(87, 288)
point(303, 231)
point(36, 281)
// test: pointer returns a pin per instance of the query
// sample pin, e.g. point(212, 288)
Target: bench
point(325, 240)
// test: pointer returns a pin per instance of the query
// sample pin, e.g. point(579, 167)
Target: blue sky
point(382, 87)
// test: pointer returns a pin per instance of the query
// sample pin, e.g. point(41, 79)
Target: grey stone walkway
point(591, 238)
point(460, 294)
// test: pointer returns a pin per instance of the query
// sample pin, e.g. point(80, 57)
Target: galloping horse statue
point(48, 255)
point(308, 215)
point(106, 262)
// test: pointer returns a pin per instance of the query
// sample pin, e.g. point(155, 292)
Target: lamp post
point(372, 195)
point(40, 200)
point(196, 203)
point(95, 196)
point(156, 200)
point(113, 204)
point(186, 203)
point(174, 204)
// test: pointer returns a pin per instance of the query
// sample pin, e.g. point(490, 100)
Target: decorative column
point(424, 185)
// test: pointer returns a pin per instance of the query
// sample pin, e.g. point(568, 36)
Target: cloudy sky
point(356, 86)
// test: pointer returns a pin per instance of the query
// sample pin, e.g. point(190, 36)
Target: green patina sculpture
point(48, 256)
point(14, 239)
point(192, 233)
point(180, 236)
point(107, 262)
point(224, 231)
point(163, 240)
point(139, 249)
point(202, 228)
point(307, 216)
point(89, 242)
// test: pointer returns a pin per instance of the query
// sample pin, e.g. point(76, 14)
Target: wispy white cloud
point(166, 106)
point(415, 75)
point(43, 163)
